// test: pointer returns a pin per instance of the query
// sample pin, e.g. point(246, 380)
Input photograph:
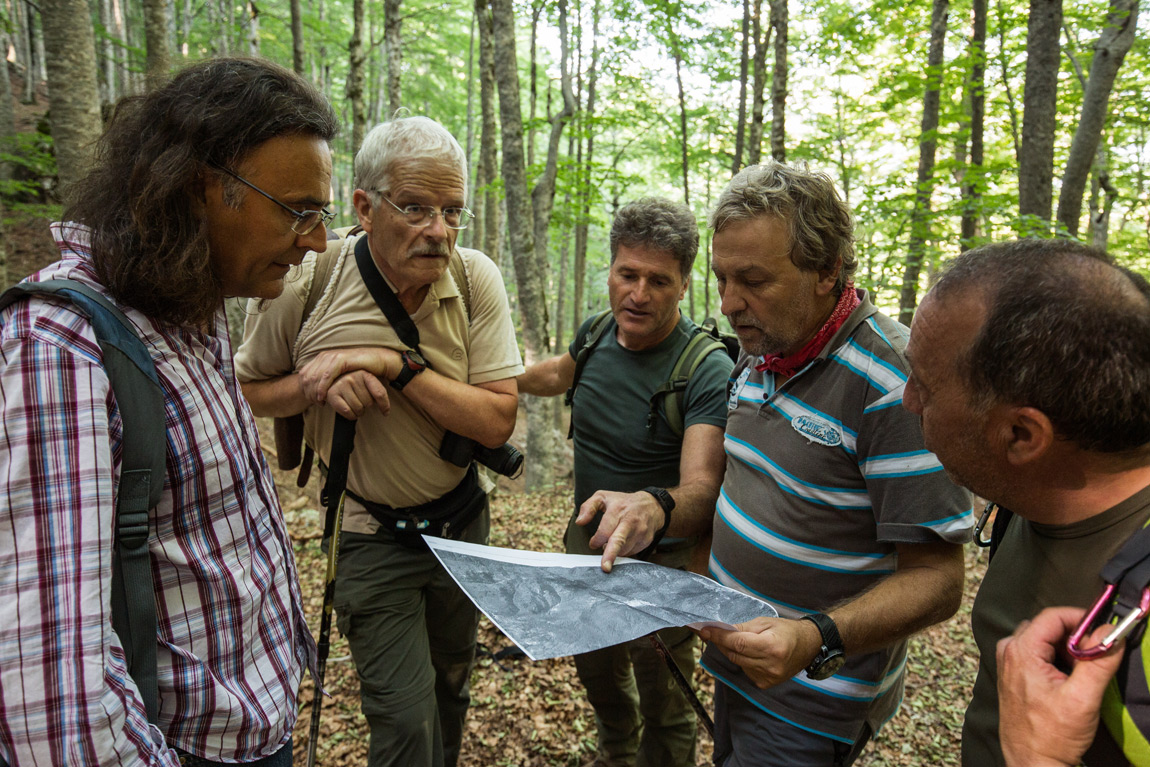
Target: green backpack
point(708, 338)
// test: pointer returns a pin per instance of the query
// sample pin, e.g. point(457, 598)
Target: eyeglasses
point(421, 216)
point(305, 220)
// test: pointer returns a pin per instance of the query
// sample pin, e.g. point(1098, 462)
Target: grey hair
point(660, 225)
point(400, 140)
point(819, 222)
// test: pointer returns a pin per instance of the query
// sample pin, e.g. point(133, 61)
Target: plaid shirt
point(232, 639)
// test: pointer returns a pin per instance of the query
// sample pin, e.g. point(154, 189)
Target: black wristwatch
point(413, 364)
point(667, 502)
point(830, 658)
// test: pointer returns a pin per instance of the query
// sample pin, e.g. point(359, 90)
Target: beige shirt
point(396, 458)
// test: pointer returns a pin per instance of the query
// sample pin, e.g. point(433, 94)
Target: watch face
point(827, 664)
point(416, 358)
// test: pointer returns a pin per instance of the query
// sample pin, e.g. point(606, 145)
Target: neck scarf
point(788, 366)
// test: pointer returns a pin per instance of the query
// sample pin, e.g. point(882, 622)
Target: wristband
point(667, 503)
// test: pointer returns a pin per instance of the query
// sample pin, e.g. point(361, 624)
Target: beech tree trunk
point(928, 144)
point(779, 22)
point(158, 61)
point(356, 76)
point(584, 163)
point(972, 180)
point(297, 37)
point(528, 270)
point(1109, 52)
point(741, 124)
point(393, 44)
point(758, 83)
point(73, 95)
point(488, 138)
point(1039, 101)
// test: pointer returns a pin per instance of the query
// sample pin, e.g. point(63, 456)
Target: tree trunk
point(1039, 102)
point(536, 12)
point(528, 270)
point(297, 37)
point(741, 125)
point(356, 76)
point(1102, 198)
point(23, 38)
point(7, 130)
point(758, 83)
point(1109, 52)
point(488, 146)
point(928, 144)
point(73, 95)
point(253, 29)
point(585, 163)
point(158, 61)
point(972, 180)
point(779, 21)
point(393, 44)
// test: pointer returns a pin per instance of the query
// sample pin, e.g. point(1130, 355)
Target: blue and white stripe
point(912, 464)
point(878, 373)
point(836, 497)
point(833, 560)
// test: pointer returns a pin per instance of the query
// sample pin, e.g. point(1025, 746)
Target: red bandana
point(788, 366)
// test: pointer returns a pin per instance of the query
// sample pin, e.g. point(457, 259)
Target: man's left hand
point(629, 524)
point(768, 650)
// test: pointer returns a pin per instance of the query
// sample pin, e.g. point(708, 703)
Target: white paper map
point(552, 605)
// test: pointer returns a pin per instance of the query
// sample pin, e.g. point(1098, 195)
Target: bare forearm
point(548, 378)
point(921, 593)
point(484, 413)
point(701, 467)
point(276, 397)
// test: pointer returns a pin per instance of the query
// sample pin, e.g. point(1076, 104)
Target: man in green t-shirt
point(635, 476)
point(1030, 369)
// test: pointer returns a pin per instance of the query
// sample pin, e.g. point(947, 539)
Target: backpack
point(706, 339)
point(291, 449)
point(141, 401)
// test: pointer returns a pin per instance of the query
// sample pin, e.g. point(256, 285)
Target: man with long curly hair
point(213, 185)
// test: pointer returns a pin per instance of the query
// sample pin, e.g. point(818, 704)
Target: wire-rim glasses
point(305, 220)
point(421, 216)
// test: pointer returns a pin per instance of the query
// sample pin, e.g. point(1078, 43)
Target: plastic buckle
point(1121, 629)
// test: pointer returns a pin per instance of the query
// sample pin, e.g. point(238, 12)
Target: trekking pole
point(692, 698)
point(342, 441)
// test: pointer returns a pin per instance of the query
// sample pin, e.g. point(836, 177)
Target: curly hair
point(658, 224)
point(819, 222)
point(149, 243)
point(1066, 332)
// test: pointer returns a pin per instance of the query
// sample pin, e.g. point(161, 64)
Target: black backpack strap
point(603, 320)
point(141, 402)
point(385, 297)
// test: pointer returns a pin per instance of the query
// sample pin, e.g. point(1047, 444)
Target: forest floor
point(535, 714)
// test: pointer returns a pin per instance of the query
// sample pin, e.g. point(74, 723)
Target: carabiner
point(1121, 629)
point(978, 540)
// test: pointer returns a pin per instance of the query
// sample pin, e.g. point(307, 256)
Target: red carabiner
point(1121, 629)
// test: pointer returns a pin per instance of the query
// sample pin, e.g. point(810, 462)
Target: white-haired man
point(410, 628)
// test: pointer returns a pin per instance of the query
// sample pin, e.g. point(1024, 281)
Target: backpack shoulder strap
point(701, 344)
point(324, 264)
point(141, 403)
point(459, 273)
point(595, 331)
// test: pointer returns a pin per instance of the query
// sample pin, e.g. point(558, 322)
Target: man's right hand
point(351, 380)
point(1047, 718)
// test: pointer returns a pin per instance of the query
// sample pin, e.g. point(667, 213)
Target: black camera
point(461, 451)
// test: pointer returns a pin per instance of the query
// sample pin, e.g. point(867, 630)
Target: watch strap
point(410, 369)
point(667, 502)
point(829, 632)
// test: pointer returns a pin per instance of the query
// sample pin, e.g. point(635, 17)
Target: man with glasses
point(412, 631)
point(162, 228)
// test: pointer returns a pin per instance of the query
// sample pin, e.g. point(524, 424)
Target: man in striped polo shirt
point(831, 509)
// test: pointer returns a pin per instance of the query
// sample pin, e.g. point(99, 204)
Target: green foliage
point(30, 180)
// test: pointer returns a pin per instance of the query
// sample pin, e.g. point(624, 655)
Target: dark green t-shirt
point(614, 449)
point(1037, 566)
